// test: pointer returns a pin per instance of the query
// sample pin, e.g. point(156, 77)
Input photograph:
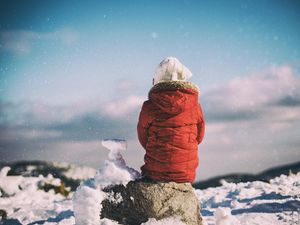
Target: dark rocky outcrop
point(41, 168)
point(264, 176)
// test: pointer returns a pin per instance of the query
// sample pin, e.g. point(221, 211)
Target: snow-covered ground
point(25, 200)
point(277, 202)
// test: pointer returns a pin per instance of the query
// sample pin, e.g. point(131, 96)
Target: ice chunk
point(115, 170)
point(223, 217)
point(9, 184)
point(115, 146)
point(105, 221)
point(112, 174)
point(87, 204)
point(4, 171)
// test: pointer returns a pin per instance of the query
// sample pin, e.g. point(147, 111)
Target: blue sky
point(75, 72)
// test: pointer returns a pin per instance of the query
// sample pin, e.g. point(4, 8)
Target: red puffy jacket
point(170, 127)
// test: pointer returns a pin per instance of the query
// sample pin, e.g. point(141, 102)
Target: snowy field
point(44, 200)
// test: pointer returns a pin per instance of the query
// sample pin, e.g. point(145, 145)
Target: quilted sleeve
point(200, 125)
point(144, 123)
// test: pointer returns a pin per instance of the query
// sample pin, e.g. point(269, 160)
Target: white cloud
point(67, 36)
point(16, 41)
point(40, 113)
point(21, 42)
point(21, 113)
point(252, 122)
point(244, 97)
point(124, 107)
point(29, 134)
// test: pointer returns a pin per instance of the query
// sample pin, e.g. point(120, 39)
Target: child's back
point(171, 126)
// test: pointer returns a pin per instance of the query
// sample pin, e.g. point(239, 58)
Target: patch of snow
point(89, 195)
point(166, 221)
point(115, 170)
point(9, 184)
point(115, 198)
point(112, 174)
point(30, 168)
point(286, 185)
point(115, 146)
point(87, 204)
point(80, 172)
point(108, 222)
point(26, 202)
point(4, 171)
point(223, 217)
point(250, 203)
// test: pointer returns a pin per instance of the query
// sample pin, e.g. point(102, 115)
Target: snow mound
point(89, 195)
point(115, 170)
point(277, 202)
point(25, 199)
point(223, 217)
point(87, 203)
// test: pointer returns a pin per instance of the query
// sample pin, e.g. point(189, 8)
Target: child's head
point(170, 69)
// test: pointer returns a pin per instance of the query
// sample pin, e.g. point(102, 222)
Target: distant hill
point(69, 173)
point(245, 177)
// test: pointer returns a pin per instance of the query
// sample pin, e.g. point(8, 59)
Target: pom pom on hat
point(170, 69)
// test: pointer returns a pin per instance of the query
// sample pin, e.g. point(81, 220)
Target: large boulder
point(141, 200)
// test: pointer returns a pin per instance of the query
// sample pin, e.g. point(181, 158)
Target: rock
point(141, 200)
point(10, 222)
point(3, 214)
point(58, 189)
point(5, 221)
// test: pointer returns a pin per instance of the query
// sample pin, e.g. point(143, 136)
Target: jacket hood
point(174, 97)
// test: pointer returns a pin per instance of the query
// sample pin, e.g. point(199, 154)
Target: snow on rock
point(108, 222)
point(89, 195)
point(112, 174)
point(115, 170)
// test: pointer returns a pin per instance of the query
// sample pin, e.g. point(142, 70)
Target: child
point(171, 125)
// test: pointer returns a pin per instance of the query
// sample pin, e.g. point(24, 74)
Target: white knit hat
point(170, 69)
